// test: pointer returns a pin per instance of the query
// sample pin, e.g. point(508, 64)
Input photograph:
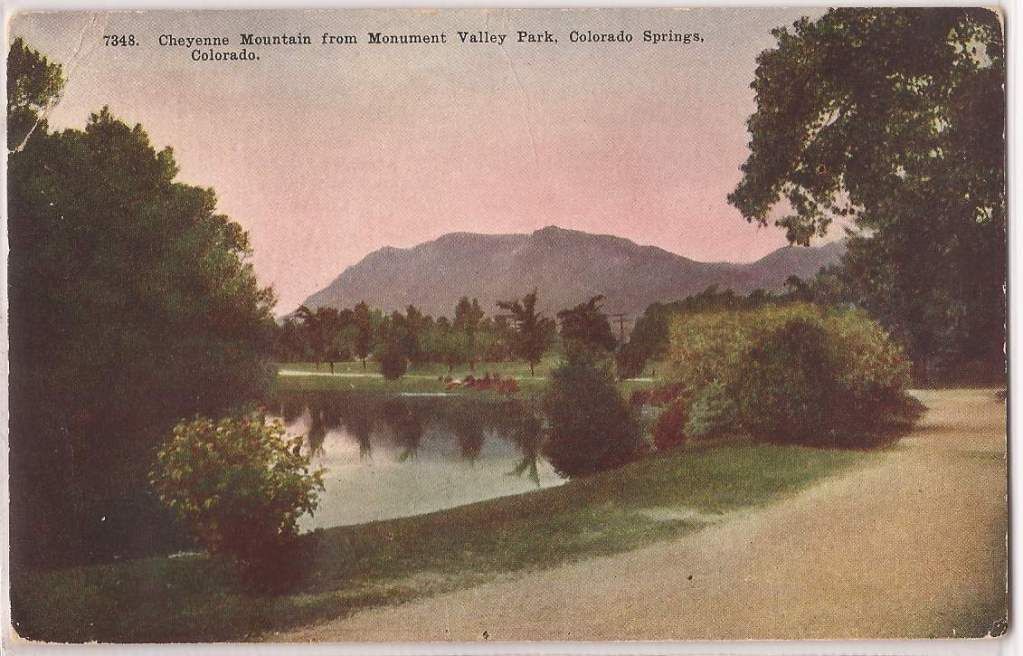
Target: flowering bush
point(240, 485)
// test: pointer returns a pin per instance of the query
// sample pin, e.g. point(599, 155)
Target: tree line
point(517, 331)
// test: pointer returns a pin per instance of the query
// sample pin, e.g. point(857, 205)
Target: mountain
point(567, 266)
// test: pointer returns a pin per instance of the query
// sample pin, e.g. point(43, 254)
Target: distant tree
point(503, 338)
point(468, 316)
point(393, 361)
point(532, 330)
point(586, 326)
point(413, 327)
point(453, 347)
point(323, 329)
point(289, 342)
point(362, 344)
point(893, 120)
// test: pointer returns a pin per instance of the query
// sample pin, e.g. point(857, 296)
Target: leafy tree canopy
point(133, 303)
point(33, 84)
point(892, 121)
point(533, 331)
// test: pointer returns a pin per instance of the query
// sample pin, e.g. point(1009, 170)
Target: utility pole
point(622, 319)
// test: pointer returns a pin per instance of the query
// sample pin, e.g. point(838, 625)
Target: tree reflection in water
point(367, 417)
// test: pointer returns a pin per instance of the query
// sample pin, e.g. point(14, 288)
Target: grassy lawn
point(196, 599)
point(350, 376)
point(431, 369)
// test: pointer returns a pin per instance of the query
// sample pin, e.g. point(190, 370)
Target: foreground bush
point(240, 486)
point(591, 426)
point(795, 373)
point(788, 383)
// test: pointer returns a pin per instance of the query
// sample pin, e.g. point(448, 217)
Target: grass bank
point(350, 568)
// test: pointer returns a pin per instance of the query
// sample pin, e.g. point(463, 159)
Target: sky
point(326, 153)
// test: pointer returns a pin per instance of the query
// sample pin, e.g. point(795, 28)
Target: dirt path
point(912, 547)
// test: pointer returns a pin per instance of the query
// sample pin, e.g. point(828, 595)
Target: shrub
point(872, 376)
point(590, 426)
point(669, 429)
point(712, 413)
point(240, 486)
point(788, 383)
point(791, 373)
point(705, 348)
point(393, 363)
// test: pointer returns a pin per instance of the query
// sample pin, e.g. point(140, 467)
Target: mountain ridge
point(567, 266)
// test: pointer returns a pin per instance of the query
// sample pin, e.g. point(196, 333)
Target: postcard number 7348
point(119, 40)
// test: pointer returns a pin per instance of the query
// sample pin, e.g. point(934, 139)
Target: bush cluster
point(795, 373)
point(240, 485)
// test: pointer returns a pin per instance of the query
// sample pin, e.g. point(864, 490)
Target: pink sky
point(326, 153)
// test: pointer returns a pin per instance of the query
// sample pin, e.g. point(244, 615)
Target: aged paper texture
point(514, 325)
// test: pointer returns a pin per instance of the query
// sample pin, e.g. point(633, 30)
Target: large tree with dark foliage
point(132, 304)
point(892, 120)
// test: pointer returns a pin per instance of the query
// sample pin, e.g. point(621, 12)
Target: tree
point(532, 329)
point(363, 342)
point(290, 343)
point(892, 120)
point(33, 85)
point(591, 426)
point(393, 361)
point(468, 316)
point(323, 330)
point(132, 304)
point(413, 328)
point(586, 326)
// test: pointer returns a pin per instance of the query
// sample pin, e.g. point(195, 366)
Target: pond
point(392, 456)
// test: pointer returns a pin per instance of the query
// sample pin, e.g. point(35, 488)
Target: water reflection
point(393, 456)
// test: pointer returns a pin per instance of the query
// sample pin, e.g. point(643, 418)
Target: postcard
point(506, 325)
